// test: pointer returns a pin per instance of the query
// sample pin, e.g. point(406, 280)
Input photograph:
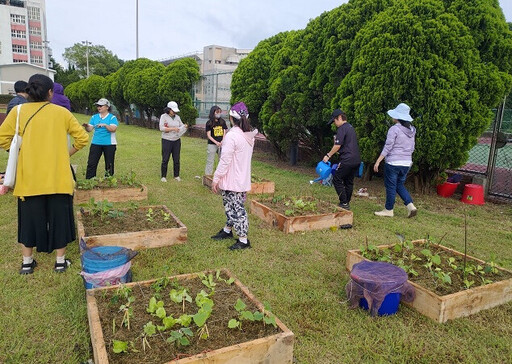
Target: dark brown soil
point(132, 220)
point(427, 280)
point(224, 298)
point(280, 205)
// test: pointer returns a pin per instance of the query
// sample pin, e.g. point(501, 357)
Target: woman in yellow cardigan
point(44, 182)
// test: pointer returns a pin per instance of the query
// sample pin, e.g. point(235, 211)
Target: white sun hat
point(401, 112)
point(173, 106)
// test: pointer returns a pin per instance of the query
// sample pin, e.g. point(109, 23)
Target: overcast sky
point(172, 28)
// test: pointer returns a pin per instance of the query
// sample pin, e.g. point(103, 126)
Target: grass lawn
point(43, 317)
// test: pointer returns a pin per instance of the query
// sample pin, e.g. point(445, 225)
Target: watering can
point(323, 170)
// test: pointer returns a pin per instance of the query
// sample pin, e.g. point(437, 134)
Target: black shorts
point(46, 222)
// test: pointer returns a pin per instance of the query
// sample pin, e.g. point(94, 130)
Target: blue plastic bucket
point(102, 258)
point(389, 305)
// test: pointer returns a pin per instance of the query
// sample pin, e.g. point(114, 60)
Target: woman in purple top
point(58, 96)
point(398, 154)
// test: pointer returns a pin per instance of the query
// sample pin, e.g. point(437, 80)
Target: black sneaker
point(28, 268)
point(239, 245)
point(344, 206)
point(61, 267)
point(222, 235)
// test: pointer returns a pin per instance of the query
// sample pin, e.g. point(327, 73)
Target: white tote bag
point(12, 162)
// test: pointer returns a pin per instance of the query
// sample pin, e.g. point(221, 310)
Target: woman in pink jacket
point(233, 176)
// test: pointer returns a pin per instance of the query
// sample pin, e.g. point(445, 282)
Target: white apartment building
point(23, 36)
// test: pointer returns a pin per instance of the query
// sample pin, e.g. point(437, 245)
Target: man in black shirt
point(21, 95)
point(345, 142)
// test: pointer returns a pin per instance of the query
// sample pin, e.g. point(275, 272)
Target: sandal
point(61, 267)
point(28, 268)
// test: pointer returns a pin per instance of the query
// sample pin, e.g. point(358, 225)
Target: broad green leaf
point(185, 320)
point(120, 346)
point(270, 320)
point(240, 305)
point(160, 313)
point(233, 323)
point(436, 259)
point(247, 315)
point(187, 331)
point(168, 322)
point(258, 316)
point(149, 328)
point(200, 318)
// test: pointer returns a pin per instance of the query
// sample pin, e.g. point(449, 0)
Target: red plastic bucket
point(473, 194)
point(447, 189)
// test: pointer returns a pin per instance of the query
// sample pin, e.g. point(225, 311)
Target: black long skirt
point(46, 222)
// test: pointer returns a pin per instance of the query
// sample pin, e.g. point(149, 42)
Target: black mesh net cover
point(373, 281)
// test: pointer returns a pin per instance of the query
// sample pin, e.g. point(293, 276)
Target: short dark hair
point(20, 86)
point(166, 110)
point(38, 87)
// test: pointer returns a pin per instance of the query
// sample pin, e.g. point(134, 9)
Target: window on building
point(36, 45)
point(36, 59)
point(34, 31)
point(34, 13)
point(19, 49)
point(18, 60)
point(20, 34)
point(17, 19)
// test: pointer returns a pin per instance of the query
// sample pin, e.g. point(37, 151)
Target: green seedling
point(166, 215)
point(127, 312)
point(491, 267)
point(180, 296)
point(149, 215)
point(184, 320)
point(159, 285)
point(201, 316)
point(451, 263)
point(468, 283)
point(154, 305)
point(149, 330)
point(227, 281)
point(168, 322)
point(208, 280)
point(120, 346)
point(180, 337)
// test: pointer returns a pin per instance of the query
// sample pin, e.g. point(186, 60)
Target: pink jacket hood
point(234, 170)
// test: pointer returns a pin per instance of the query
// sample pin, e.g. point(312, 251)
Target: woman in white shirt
point(172, 129)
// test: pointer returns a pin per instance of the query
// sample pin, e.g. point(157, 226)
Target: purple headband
point(238, 110)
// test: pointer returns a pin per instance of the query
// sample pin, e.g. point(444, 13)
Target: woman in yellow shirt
point(44, 181)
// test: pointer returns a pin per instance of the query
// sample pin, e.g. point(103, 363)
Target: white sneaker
point(385, 213)
point(163, 179)
point(412, 210)
point(177, 179)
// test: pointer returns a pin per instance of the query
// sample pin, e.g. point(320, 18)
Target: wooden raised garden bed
point(114, 194)
point(442, 308)
point(305, 222)
point(255, 342)
point(257, 188)
point(142, 239)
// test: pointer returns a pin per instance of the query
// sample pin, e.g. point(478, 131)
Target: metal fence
point(491, 157)
point(213, 89)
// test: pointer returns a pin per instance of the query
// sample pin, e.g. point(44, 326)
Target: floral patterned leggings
point(236, 214)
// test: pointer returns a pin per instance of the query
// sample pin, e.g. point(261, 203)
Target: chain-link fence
point(491, 157)
point(213, 89)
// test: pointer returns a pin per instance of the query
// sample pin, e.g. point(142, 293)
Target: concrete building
point(23, 40)
point(216, 65)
